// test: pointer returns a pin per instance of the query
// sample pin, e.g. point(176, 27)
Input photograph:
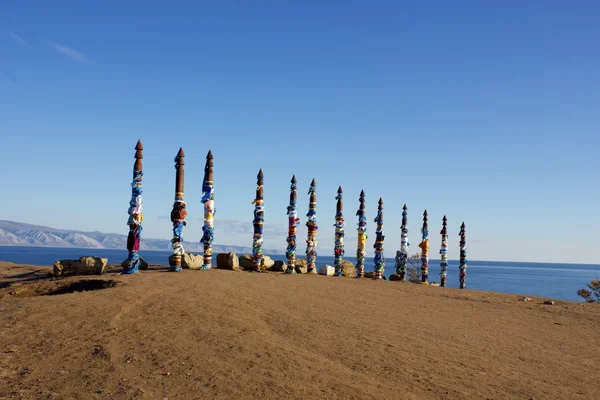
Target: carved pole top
point(294, 179)
point(340, 204)
point(139, 148)
point(179, 157)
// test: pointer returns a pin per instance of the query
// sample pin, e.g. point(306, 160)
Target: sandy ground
point(237, 335)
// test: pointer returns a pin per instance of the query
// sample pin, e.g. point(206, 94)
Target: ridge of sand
point(223, 335)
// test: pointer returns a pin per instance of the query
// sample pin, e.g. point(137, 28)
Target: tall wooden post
point(463, 257)
point(311, 224)
point(178, 214)
point(444, 253)
point(208, 199)
point(424, 245)
point(259, 217)
point(362, 237)
point(338, 251)
point(379, 237)
point(292, 224)
point(135, 213)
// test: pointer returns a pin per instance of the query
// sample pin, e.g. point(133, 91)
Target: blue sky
point(484, 111)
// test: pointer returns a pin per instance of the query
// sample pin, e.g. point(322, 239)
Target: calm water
point(560, 281)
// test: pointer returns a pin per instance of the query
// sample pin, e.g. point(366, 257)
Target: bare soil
point(238, 335)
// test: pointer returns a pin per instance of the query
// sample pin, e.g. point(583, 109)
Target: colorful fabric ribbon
point(311, 224)
point(362, 237)
point(338, 250)
point(208, 200)
point(462, 268)
point(379, 237)
point(257, 238)
point(293, 221)
point(424, 245)
point(178, 214)
point(135, 214)
point(444, 253)
point(402, 254)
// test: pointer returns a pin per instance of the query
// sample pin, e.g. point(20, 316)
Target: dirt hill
point(237, 335)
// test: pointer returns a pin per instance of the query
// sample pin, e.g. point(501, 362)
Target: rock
point(228, 261)
point(143, 265)
point(267, 262)
point(525, 299)
point(549, 302)
point(371, 275)
point(434, 284)
point(395, 277)
point(301, 266)
point(83, 266)
point(278, 266)
point(247, 263)
point(348, 269)
point(327, 270)
point(190, 261)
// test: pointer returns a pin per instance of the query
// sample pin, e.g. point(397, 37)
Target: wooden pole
point(379, 238)
point(208, 199)
point(178, 214)
point(444, 253)
point(259, 216)
point(135, 213)
point(362, 237)
point(463, 257)
point(424, 245)
point(292, 224)
point(311, 224)
point(338, 251)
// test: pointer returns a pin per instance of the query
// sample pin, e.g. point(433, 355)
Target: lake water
point(559, 281)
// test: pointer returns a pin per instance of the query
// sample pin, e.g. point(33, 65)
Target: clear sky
point(487, 112)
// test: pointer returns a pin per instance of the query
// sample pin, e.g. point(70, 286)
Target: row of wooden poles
point(179, 213)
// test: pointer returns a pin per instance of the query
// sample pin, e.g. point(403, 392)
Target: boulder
point(190, 261)
point(247, 263)
point(278, 266)
point(268, 262)
point(301, 266)
point(326, 270)
point(83, 266)
point(228, 261)
point(348, 269)
point(143, 265)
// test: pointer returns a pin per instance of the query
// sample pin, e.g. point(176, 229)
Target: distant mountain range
point(19, 234)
